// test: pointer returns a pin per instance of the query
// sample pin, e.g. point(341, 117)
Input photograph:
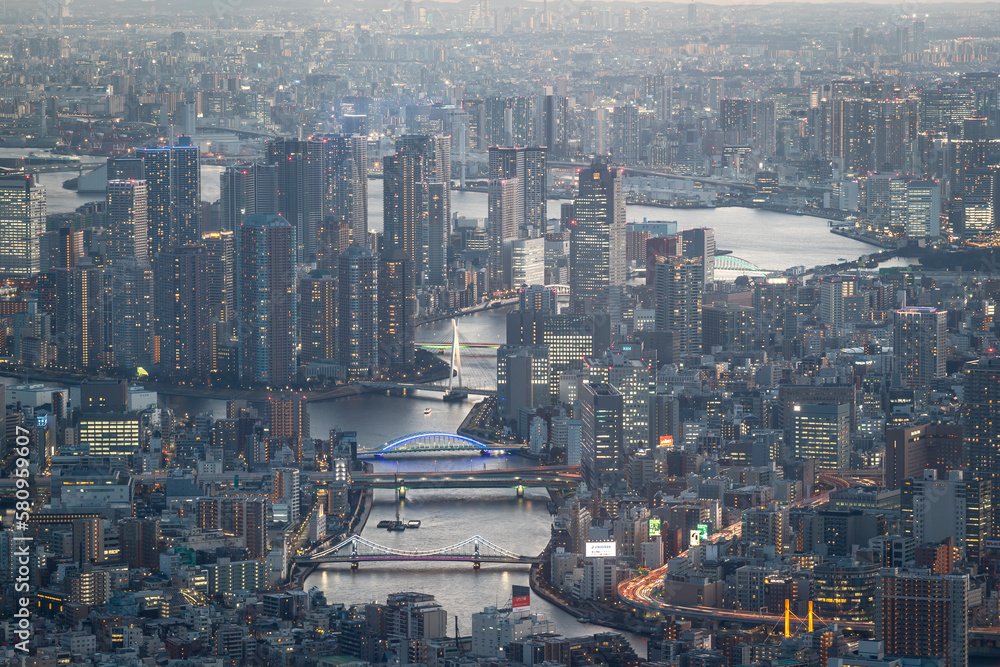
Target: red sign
point(521, 601)
point(666, 441)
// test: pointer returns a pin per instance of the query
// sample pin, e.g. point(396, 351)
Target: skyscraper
point(357, 310)
point(157, 167)
point(22, 220)
point(300, 188)
point(183, 312)
point(923, 209)
point(677, 284)
point(832, 292)
point(318, 316)
point(625, 131)
point(397, 310)
point(288, 416)
point(402, 204)
point(127, 208)
point(220, 261)
point(265, 300)
point(597, 236)
point(173, 180)
point(346, 183)
point(529, 165)
point(919, 345)
point(602, 454)
point(981, 405)
point(921, 615)
point(504, 219)
point(699, 244)
point(245, 190)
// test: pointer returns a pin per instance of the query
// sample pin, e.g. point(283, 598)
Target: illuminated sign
point(694, 538)
point(601, 550)
point(666, 441)
point(702, 530)
point(991, 544)
point(521, 598)
point(654, 527)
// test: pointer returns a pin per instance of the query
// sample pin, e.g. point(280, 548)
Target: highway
point(643, 592)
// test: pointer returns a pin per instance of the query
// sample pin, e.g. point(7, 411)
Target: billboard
point(694, 538)
point(601, 550)
point(666, 441)
point(991, 544)
point(702, 530)
point(521, 598)
point(654, 527)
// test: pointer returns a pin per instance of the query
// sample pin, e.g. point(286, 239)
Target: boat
point(396, 526)
point(413, 523)
point(427, 411)
point(384, 523)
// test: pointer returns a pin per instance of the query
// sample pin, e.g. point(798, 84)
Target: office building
point(924, 616)
point(979, 201)
point(597, 236)
point(523, 262)
point(397, 310)
point(414, 616)
point(22, 220)
point(266, 301)
point(923, 209)
point(636, 382)
point(523, 378)
point(602, 453)
point(821, 431)
point(910, 450)
point(845, 590)
point(286, 487)
point(357, 313)
point(727, 326)
point(570, 338)
point(115, 436)
point(183, 312)
point(538, 297)
point(699, 244)
point(920, 346)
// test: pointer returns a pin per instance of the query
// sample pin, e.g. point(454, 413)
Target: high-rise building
point(919, 345)
point(88, 314)
point(981, 407)
point(571, 338)
point(636, 382)
point(677, 284)
point(523, 378)
point(127, 222)
point(22, 220)
point(141, 543)
point(286, 487)
point(186, 186)
point(625, 135)
point(821, 431)
point(346, 183)
point(529, 166)
point(597, 236)
point(438, 231)
point(300, 183)
point(183, 312)
point(910, 450)
point(922, 615)
point(220, 262)
point(173, 180)
point(245, 190)
point(524, 262)
point(318, 316)
point(265, 301)
point(357, 314)
point(508, 121)
point(958, 506)
point(502, 224)
point(601, 452)
point(923, 209)
point(699, 244)
point(728, 326)
point(397, 310)
point(288, 416)
point(832, 292)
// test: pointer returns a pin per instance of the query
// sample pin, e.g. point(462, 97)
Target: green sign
point(702, 530)
point(654, 527)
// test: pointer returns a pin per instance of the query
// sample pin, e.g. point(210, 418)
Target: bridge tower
point(453, 395)
point(475, 562)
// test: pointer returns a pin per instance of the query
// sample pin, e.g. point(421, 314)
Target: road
point(643, 592)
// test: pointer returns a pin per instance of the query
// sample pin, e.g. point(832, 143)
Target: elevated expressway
point(644, 592)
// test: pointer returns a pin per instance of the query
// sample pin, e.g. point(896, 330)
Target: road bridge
point(356, 550)
point(434, 442)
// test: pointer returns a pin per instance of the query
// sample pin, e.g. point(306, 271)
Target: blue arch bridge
point(431, 442)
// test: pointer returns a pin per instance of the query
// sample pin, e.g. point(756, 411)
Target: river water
point(768, 239)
